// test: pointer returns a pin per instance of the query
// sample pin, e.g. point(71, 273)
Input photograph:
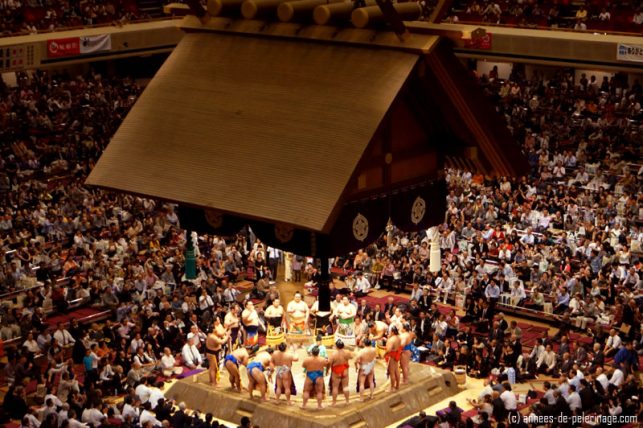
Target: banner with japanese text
point(629, 52)
point(70, 46)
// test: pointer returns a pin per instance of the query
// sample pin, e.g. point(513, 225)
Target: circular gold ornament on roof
point(360, 227)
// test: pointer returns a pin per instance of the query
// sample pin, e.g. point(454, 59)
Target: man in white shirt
point(32, 420)
point(504, 254)
point(506, 270)
point(573, 399)
point(362, 286)
point(547, 361)
point(148, 416)
point(549, 393)
point(63, 414)
point(63, 337)
point(508, 397)
point(440, 326)
point(537, 350)
point(44, 340)
point(612, 344)
point(48, 409)
point(563, 385)
point(416, 292)
point(577, 378)
point(617, 378)
point(92, 416)
point(488, 233)
point(55, 400)
point(544, 220)
point(197, 334)
point(487, 390)
point(528, 238)
point(136, 343)
point(168, 363)
point(191, 356)
point(73, 422)
point(143, 390)
point(601, 377)
point(632, 278)
point(581, 177)
point(444, 286)
point(230, 294)
point(518, 293)
point(576, 304)
point(129, 409)
point(30, 345)
point(125, 328)
point(559, 171)
point(274, 258)
point(155, 395)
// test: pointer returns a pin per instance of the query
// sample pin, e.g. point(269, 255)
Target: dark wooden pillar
point(324, 284)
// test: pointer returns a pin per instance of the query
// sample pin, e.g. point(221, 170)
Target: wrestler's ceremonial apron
point(346, 331)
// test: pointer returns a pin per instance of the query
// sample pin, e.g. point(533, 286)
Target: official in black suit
point(192, 321)
point(378, 313)
point(405, 279)
point(390, 306)
point(499, 411)
point(163, 410)
point(517, 346)
point(425, 300)
point(561, 407)
point(588, 397)
point(414, 309)
point(180, 418)
point(486, 315)
point(598, 359)
point(363, 309)
point(423, 332)
point(480, 248)
point(497, 333)
point(494, 350)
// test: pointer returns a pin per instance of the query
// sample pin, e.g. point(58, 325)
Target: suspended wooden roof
point(301, 136)
point(259, 127)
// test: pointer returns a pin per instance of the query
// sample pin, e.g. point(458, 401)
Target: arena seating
point(531, 14)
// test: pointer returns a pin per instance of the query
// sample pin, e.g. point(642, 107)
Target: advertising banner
point(628, 52)
point(71, 46)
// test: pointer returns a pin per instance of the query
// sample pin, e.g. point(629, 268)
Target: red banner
point(63, 47)
point(71, 46)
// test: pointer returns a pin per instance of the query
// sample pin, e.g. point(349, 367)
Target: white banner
point(632, 53)
point(95, 43)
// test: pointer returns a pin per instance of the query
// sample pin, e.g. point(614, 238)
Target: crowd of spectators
point(33, 16)
point(621, 16)
point(63, 243)
point(21, 17)
point(565, 242)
